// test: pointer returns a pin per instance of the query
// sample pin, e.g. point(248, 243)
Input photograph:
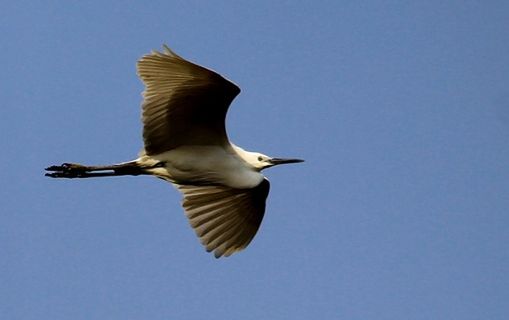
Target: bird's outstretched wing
point(184, 104)
point(225, 219)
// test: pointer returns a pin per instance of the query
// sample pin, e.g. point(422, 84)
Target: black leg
point(75, 170)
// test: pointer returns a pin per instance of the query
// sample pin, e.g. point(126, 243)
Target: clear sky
point(401, 210)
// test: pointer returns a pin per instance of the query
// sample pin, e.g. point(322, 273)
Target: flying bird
point(185, 143)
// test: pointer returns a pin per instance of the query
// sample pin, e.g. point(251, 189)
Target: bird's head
point(260, 161)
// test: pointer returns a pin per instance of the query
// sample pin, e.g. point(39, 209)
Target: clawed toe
point(54, 168)
point(66, 170)
point(54, 174)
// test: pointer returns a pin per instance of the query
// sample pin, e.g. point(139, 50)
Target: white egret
point(185, 143)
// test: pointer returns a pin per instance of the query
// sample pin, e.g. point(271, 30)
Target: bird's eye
point(260, 158)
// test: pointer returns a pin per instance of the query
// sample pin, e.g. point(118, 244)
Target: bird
point(185, 143)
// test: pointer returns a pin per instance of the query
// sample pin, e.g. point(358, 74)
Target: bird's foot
point(67, 170)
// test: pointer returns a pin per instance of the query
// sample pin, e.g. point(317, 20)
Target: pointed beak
point(277, 161)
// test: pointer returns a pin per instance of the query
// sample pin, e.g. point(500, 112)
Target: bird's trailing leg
point(75, 170)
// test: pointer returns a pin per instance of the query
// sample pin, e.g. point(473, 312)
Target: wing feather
point(184, 104)
point(225, 219)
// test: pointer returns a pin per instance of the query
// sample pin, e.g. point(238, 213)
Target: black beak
point(276, 161)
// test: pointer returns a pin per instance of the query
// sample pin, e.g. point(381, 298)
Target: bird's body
point(185, 143)
point(214, 165)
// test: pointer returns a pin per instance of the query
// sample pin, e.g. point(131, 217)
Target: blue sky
point(400, 108)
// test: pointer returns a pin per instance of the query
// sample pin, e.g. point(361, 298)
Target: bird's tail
point(74, 170)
